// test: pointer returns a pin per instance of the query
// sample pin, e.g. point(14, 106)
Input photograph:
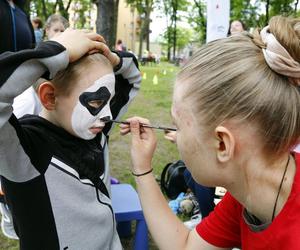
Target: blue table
point(127, 207)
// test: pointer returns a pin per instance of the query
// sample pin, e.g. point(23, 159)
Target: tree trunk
point(296, 6)
point(202, 19)
point(45, 14)
point(175, 8)
point(114, 33)
point(169, 44)
point(143, 34)
point(62, 9)
point(148, 10)
point(105, 23)
point(267, 12)
point(147, 29)
point(169, 38)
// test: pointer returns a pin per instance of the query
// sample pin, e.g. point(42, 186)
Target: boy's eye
point(96, 103)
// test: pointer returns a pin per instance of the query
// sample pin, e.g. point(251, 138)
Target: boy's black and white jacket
point(54, 203)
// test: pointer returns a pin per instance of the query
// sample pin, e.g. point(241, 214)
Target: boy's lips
point(96, 130)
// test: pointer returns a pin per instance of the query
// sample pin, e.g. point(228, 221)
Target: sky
point(158, 25)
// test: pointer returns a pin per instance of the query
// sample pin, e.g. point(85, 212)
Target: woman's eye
point(96, 103)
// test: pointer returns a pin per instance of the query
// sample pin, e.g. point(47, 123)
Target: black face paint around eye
point(102, 94)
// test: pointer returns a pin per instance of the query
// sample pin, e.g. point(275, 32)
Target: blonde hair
point(56, 18)
point(64, 80)
point(229, 78)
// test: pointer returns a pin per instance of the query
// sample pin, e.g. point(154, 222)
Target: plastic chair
point(127, 207)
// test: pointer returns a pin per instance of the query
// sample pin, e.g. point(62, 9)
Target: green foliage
point(197, 19)
point(144, 8)
point(184, 37)
point(82, 12)
point(154, 103)
point(258, 13)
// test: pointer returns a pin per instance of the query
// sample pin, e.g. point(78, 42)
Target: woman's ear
point(225, 144)
point(46, 93)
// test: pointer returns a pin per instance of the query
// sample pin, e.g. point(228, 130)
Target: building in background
point(128, 26)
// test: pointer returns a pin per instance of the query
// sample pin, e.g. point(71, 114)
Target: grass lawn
point(153, 102)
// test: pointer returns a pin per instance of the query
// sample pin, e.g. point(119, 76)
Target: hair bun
point(282, 50)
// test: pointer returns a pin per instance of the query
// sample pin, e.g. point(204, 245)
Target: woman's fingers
point(112, 57)
point(124, 131)
point(80, 42)
point(139, 119)
point(95, 37)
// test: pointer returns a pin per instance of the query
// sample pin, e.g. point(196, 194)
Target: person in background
point(236, 27)
point(37, 25)
point(54, 25)
point(120, 46)
point(16, 34)
point(15, 27)
point(236, 109)
point(28, 102)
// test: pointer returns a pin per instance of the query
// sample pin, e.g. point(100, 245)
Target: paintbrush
point(141, 124)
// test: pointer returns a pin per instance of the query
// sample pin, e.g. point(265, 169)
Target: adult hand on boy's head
point(79, 42)
point(112, 57)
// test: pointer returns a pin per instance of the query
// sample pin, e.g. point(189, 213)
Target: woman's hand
point(170, 135)
point(80, 42)
point(112, 57)
point(143, 144)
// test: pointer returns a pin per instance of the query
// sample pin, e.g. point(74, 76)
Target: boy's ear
point(46, 93)
point(225, 144)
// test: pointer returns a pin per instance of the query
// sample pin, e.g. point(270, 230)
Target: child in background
point(37, 27)
point(28, 102)
point(55, 24)
point(54, 167)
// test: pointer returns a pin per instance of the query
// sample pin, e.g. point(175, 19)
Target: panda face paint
point(93, 104)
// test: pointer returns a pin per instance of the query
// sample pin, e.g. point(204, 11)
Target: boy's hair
point(56, 18)
point(65, 79)
point(229, 78)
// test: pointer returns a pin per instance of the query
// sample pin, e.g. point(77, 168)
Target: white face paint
point(93, 104)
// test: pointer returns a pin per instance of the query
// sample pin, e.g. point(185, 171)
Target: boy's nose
point(106, 118)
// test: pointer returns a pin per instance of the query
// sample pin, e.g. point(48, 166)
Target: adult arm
point(167, 230)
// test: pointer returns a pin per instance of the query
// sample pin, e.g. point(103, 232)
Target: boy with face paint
point(54, 170)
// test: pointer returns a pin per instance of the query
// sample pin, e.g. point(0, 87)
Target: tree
point(82, 9)
point(167, 36)
point(63, 9)
point(172, 8)
point(296, 6)
point(197, 18)
point(44, 8)
point(107, 19)
point(144, 8)
point(183, 38)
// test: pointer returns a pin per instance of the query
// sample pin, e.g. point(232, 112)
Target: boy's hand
point(79, 42)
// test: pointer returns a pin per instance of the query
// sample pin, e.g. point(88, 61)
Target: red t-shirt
point(225, 227)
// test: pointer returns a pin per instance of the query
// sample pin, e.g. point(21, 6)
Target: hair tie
point(278, 58)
